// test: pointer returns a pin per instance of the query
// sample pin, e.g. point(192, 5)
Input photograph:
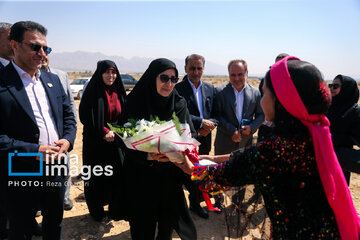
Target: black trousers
point(144, 227)
point(22, 202)
point(3, 220)
point(96, 196)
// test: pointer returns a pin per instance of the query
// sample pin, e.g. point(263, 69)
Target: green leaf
point(177, 123)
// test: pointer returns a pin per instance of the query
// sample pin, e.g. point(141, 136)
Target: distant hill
point(82, 61)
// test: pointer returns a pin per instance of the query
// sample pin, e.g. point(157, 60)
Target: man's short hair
point(196, 57)
point(19, 28)
point(4, 26)
point(235, 61)
point(281, 56)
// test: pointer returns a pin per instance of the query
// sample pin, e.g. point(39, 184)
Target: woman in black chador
point(102, 103)
point(155, 187)
point(344, 116)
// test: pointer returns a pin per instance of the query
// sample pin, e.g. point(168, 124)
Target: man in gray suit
point(63, 76)
point(238, 110)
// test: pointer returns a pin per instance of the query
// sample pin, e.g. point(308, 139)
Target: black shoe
point(201, 212)
point(98, 217)
point(3, 235)
point(37, 230)
point(68, 204)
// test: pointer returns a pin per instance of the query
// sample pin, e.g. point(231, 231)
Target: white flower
point(127, 124)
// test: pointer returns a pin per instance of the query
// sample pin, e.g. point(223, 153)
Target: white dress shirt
point(4, 61)
point(40, 105)
point(239, 96)
point(198, 96)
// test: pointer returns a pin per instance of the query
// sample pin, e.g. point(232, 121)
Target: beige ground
point(79, 226)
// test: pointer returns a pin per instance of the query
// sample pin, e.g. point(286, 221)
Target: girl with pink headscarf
point(296, 169)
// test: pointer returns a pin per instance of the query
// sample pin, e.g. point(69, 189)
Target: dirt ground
point(78, 225)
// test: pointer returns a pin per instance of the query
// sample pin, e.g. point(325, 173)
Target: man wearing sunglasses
point(199, 96)
point(36, 119)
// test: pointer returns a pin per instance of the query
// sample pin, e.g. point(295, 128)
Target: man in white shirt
point(238, 110)
point(199, 96)
point(36, 120)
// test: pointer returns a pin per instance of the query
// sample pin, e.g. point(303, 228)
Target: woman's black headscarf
point(347, 97)
point(144, 100)
point(93, 101)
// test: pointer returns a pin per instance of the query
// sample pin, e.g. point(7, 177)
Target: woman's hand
point(160, 157)
point(216, 158)
point(208, 157)
point(110, 136)
point(186, 166)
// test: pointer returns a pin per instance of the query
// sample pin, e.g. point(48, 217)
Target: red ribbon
point(194, 158)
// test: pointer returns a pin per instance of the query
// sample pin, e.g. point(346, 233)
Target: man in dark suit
point(36, 119)
point(6, 54)
point(199, 96)
point(238, 110)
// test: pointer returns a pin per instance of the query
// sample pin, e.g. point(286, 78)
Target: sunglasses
point(334, 85)
point(165, 78)
point(36, 47)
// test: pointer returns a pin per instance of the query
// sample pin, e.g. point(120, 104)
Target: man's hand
point(48, 150)
point(236, 137)
point(207, 125)
point(63, 144)
point(110, 136)
point(246, 130)
point(203, 132)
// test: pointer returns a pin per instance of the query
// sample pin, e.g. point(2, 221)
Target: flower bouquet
point(171, 138)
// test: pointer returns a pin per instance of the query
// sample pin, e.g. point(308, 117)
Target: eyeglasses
point(165, 78)
point(334, 85)
point(36, 47)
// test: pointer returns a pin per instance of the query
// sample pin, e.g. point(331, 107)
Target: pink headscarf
point(331, 175)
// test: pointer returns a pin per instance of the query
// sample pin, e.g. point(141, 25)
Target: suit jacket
point(208, 93)
point(1, 66)
point(225, 107)
point(18, 127)
point(63, 76)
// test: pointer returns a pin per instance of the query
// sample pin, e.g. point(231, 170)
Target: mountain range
point(86, 61)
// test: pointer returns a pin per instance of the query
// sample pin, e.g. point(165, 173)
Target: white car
point(77, 87)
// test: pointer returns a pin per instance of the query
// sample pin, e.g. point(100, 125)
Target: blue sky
point(325, 33)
